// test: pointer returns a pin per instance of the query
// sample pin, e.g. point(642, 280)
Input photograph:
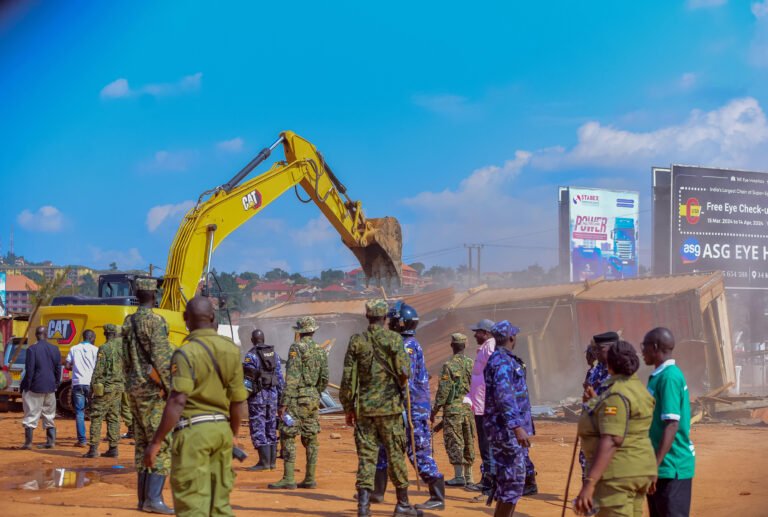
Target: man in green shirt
point(670, 428)
point(205, 408)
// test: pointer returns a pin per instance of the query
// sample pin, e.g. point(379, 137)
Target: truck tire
point(64, 399)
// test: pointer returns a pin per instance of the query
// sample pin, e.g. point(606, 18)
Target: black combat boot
point(363, 502)
point(379, 486)
point(273, 456)
point(403, 508)
point(436, 499)
point(93, 452)
point(458, 478)
point(153, 495)
point(28, 432)
point(504, 509)
point(50, 438)
point(264, 452)
point(141, 489)
point(112, 452)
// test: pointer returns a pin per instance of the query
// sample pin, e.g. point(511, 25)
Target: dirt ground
point(729, 477)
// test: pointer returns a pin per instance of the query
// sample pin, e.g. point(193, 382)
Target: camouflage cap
point(306, 324)
point(458, 337)
point(146, 284)
point(112, 328)
point(376, 308)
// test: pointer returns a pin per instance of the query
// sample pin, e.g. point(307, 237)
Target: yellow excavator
point(377, 244)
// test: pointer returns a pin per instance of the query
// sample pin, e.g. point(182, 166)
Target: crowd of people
point(186, 407)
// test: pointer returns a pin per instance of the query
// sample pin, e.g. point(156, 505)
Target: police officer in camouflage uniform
point(147, 365)
point(376, 371)
point(458, 420)
point(306, 377)
point(261, 368)
point(107, 385)
point(205, 408)
point(507, 419)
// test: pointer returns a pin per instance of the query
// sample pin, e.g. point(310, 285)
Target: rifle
point(494, 487)
point(438, 427)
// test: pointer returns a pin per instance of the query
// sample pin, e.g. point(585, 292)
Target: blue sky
point(461, 120)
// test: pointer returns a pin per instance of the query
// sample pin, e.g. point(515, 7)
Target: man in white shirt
point(476, 396)
point(81, 361)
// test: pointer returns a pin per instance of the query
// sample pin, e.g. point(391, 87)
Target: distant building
point(47, 270)
point(271, 291)
point(356, 278)
point(19, 290)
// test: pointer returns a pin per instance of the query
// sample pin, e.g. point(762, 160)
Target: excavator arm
point(377, 243)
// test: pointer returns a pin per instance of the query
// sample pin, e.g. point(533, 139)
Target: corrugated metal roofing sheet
point(650, 287)
point(488, 297)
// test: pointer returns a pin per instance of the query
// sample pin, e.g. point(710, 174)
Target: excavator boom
point(376, 243)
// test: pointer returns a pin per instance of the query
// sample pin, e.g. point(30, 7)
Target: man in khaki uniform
point(205, 408)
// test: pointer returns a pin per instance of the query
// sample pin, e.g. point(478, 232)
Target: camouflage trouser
point(459, 434)
point(147, 412)
point(306, 424)
point(422, 432)
point(509, 459)
point(262, 421)
point(125, 411)
point(105, 407)
point(389, 431)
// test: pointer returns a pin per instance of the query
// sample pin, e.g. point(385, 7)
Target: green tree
point(299, 279)
point(87, 285)
point(113, 266)
point(35, 277)
point(276, 274)
point(419, 267)
point(248, 275)
point(331, 276)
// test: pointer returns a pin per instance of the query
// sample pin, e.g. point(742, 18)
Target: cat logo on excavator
point(62, 330)
point(252, 200)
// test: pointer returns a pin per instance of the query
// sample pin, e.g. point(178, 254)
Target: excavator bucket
point(382, 258)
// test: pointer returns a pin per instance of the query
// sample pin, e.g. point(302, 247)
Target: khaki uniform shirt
point(193, 373)
point(624, 409)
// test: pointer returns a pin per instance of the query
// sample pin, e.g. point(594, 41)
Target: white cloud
point(173, 161)
point(158, 214)
point(234, 145)
point(444, 104)
point(120, 88)
point(315, 232)
point(734, 135)
point(47, 218)
point(758, 55)
point(128, 259)
point(704, 4)
point(687, 81)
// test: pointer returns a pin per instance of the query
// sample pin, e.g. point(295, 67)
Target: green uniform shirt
point(454, 383)
point(624, 409)
point(667, 385)
point(369, 387)
point(306, 372)
point(194, 374)
point(109, 367)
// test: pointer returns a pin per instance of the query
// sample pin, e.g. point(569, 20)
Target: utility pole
point(151, 269)
point(479, 249)
point(470, 269)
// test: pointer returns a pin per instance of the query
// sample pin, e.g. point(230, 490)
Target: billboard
point(719, 221)
point(599, 233)
point(3, 309)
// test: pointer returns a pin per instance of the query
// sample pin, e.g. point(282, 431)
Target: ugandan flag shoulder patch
point(611, 410)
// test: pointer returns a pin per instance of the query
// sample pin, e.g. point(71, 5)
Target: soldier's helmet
point(111, 328)
point(376, 308)
point(403, 319)
point(305, 325)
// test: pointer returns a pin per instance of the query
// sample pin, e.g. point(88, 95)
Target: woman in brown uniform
point(613, 428)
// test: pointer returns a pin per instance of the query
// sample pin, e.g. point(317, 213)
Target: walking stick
point(570, 473)
point(413, 435)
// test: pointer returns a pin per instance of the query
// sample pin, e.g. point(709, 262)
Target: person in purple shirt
point(42, 376)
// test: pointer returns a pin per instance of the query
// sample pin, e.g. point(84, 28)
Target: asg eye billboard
point(716, 220)
point(599, 233)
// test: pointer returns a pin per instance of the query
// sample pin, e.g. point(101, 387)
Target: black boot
point(28, 432)
point(531, 488)
point(264, 452)
point(483, 486)
point(403, 508)
point(273, 456)
point(141, 489)
point(153, 495)
point(363, 502)
point(504, 509)
point(111, 452)
point(436, 499)
point(379, 486)
point(50, 438)
point(93, 452)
